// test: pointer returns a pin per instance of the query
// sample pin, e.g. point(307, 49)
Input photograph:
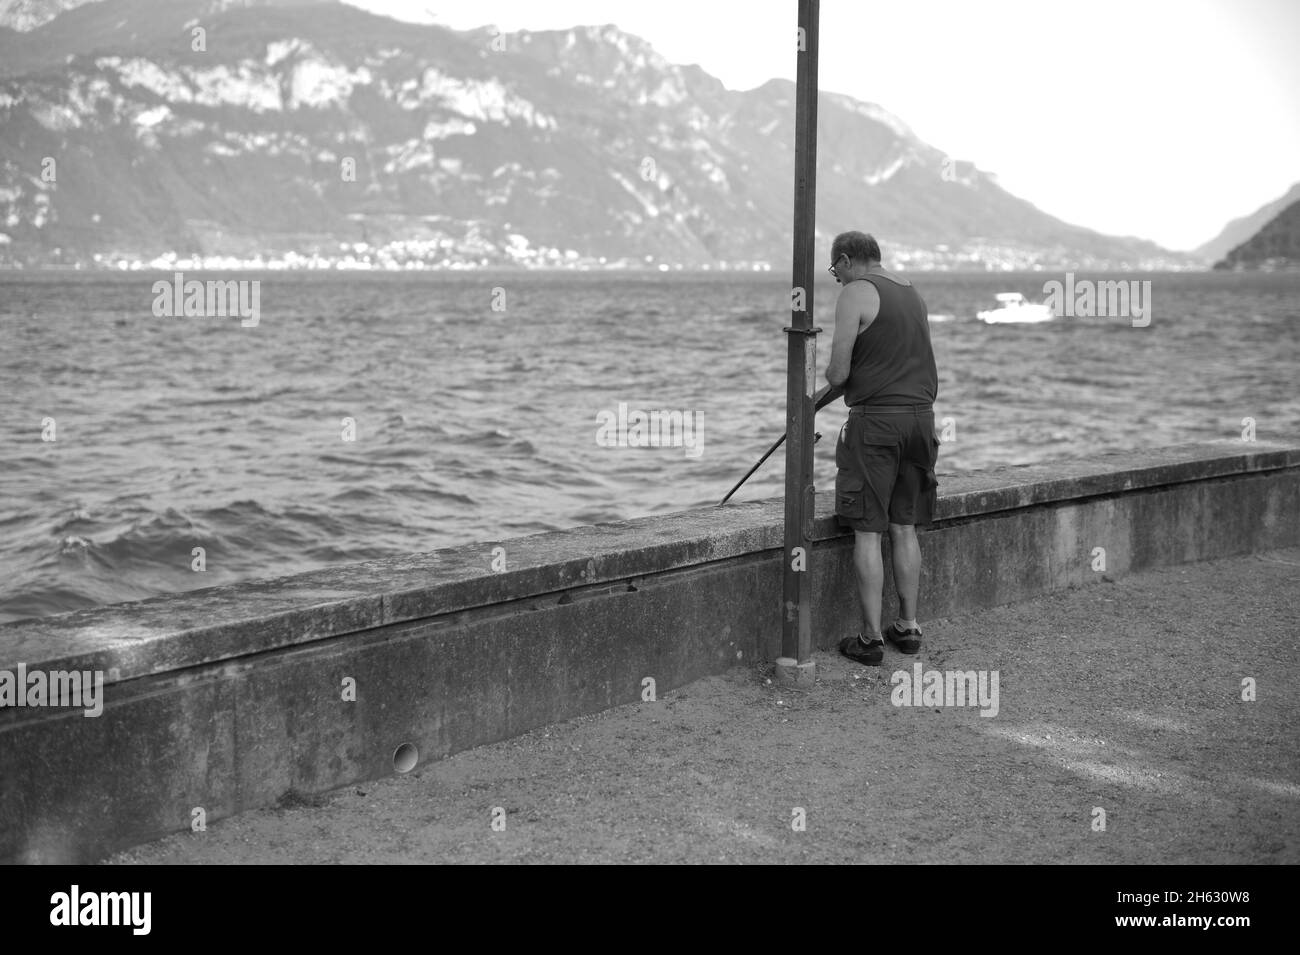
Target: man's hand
point(824, 397)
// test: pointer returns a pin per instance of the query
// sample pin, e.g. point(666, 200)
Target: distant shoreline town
point(398, 258)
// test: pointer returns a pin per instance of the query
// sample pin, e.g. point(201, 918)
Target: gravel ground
point(1123, 696)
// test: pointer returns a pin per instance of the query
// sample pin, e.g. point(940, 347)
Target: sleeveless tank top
point(892, 361)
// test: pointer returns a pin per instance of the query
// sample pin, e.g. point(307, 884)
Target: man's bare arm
point(828, 394)
point(857, 301)
point(857, 308)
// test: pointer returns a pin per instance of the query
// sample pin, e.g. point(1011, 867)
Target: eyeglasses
point(833, 267)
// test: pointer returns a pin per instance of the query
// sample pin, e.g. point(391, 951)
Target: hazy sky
point(1157, 118)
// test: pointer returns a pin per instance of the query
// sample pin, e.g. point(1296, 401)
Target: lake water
point(474, 423)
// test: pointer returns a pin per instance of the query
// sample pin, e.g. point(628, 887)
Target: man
point(882, 361)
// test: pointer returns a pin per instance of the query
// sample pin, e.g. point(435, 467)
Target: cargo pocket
point(929, 496)
point(849, 503)
point(882, 458)
point(842, 459)
point(876, 437)
point(930, 480)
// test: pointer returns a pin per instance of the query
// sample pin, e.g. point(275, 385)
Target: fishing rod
point(828, 395)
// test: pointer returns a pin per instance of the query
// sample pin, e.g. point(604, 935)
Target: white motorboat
point(1014, 310)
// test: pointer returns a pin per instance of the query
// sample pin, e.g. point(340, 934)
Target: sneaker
point(907, 641)
point(868, 654)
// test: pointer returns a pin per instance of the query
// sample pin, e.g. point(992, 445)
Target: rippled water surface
point(475, 424)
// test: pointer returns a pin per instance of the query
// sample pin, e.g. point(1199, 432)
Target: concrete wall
point(231, 698)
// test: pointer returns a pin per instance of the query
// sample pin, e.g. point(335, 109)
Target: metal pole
point(795, 665)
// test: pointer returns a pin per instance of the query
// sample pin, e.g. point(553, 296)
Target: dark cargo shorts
point(885, 469)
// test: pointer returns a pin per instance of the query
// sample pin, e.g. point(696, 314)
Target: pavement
point(1148, 719)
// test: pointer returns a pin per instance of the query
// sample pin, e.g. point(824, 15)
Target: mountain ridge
point(1240, 230)
point(1274, 247)
point(466, 148)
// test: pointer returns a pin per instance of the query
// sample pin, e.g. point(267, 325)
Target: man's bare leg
point(870, 569)
point(907, 568)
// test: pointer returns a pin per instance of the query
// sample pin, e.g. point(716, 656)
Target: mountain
point(1276, 246)
point(23, 15)
point(1239, 230)
point(224, 132)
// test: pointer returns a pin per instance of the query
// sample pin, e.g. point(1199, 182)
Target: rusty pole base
point(800, 676)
